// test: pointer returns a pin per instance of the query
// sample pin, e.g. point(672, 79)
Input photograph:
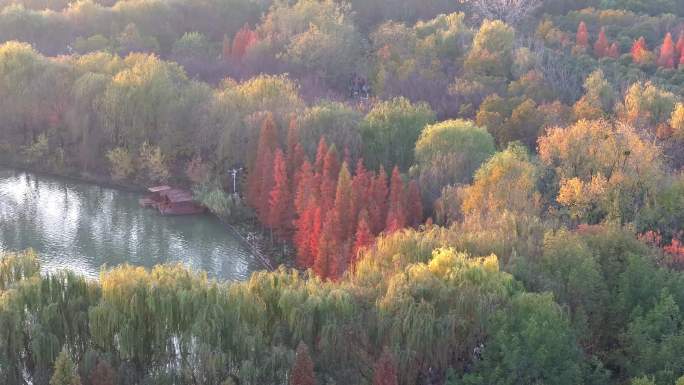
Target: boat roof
point(159, 188)
point(177, 195)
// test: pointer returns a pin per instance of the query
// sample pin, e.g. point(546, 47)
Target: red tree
point(292, 136)
point(363, 238)
point(385, 371)
point(639, 51)
point(377, 208)
point(268, 141)
point(321, 152)
point(331, 169)
point(280, 215)
point(303, 368)
point(243, 39)
point(613, 51)
point(667, 52)
point(263, 207)
point(601, 46)
point(396, 215)
point(361, 189)
point(680, 44)
point(582, 38)
point(343, 204)
point(315, 234)
point(294, 164)
point(305, 187)
point(302, 237)
point(681, 60)
point(327, 249)
point(414, 204)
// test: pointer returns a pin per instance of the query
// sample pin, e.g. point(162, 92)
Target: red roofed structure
point(171, 201)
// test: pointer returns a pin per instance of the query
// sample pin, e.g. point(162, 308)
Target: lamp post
point(234, 172)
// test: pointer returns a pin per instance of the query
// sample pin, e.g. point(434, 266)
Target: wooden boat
point(171, 201)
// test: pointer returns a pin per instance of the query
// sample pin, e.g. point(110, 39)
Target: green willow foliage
point(170, 322)
point(609, 311)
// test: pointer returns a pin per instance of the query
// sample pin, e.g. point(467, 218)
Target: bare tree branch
point(509, 11)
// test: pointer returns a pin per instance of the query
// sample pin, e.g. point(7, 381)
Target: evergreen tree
point(294, 164)
point(305, 190)
point(321, 152)
point(295, 152)
point(243, 39)
point(331, 169)
point(315, 234)
point(679, 47)
point(385, 371)
point(328, 248)
point(640, 53)
point(65, 371)
point(396, 215)
point(263, 206)
point(363, 238)
point(302, 238)
point(582, 38)
point(667, 53)
point(280, 210)
point(361, 188)
point(268, 140)
point(601, 47)
point(613, 51)
point(303, 369)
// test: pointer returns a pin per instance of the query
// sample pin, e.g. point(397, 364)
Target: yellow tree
point(602, 169)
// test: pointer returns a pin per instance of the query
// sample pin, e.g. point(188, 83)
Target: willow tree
point(506, 182)
point(390, 131)
point(449, 153)
point(532, 332)
point(435, 313)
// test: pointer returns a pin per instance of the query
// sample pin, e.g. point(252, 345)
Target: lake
point(82, 226)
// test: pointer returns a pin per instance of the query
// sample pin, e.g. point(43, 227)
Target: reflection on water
point(83, 226)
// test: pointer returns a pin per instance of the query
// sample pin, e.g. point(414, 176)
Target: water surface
point(81, 226)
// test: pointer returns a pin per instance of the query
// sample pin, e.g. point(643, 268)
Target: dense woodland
point(473, 192)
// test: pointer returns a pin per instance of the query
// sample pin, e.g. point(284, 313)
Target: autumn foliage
point(243, 39)
point(679, 47)
point(639, 51)
point(582, 38)
point(601, 47)
point(329, 213)
point(670, 54)
point(667, 52)
point(674, 250)
point(613, 51)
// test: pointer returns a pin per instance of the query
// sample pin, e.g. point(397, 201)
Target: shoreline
point(76, 177)
point(258, 248)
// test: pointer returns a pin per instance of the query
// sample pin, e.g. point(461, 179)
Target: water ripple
point(81, 227)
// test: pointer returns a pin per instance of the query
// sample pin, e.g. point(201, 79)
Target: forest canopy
point(459, 192)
